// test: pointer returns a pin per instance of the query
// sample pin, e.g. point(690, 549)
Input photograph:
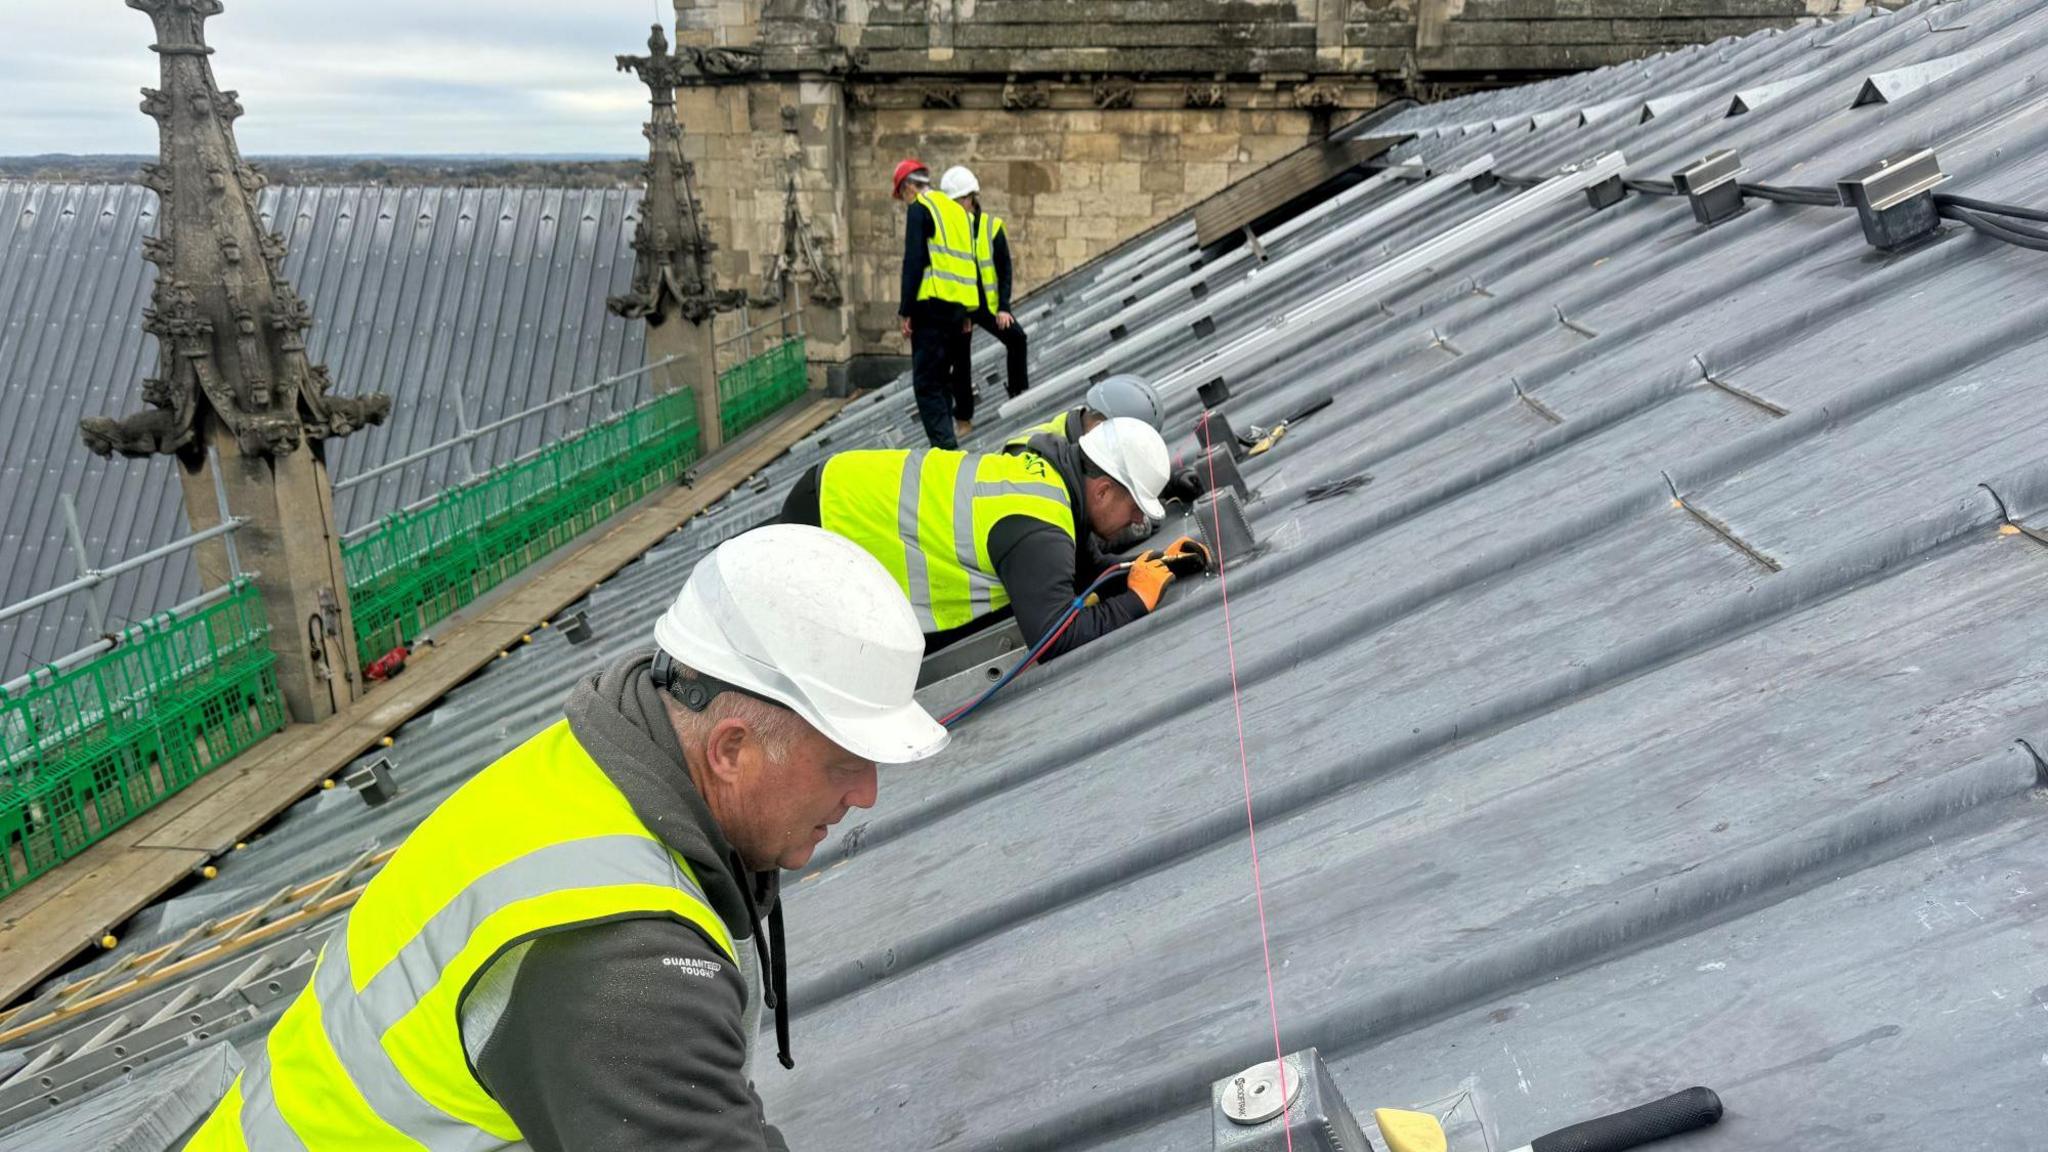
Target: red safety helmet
point(903, 172)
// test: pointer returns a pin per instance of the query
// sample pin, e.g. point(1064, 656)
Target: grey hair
point(777, 727)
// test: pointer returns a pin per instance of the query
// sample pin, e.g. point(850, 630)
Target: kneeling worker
point(562, 955)
point(968, 535)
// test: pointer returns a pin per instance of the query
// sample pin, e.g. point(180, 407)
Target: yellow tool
point(1410, 1131)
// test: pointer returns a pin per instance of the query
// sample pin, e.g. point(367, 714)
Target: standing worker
point(563, 955)
point(968, 535)
point(992, 262)
point(940, 287)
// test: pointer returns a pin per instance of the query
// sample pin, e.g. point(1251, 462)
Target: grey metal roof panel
point(1569, 794)
point(462, 303)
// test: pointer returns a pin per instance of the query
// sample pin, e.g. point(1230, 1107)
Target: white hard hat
point(808, 619)
point(1133, 455)
point(1126, 395)
point(958, 182)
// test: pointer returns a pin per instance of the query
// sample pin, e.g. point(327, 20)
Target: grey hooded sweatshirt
point(634, 1034)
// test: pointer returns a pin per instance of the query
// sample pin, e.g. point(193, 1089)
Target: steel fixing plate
point(1253, 1095)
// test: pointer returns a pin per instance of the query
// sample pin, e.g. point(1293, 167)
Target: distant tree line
point(472, 171)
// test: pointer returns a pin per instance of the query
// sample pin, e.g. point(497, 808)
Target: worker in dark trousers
point(940, 287)
point(992, 263)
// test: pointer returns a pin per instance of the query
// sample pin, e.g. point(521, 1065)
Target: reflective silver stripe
point(1042, 489)
point(915, 573)
point(356, 1022)
point(932, 273)
point(980, 586)
point(264, 1128)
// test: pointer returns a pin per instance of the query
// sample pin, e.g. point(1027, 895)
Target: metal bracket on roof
point(1119, 332)
point(1720, 529)
point(1440, 340)
point(1204, 327)
point(1284, 1104)
point(1198, 289)
point(1486, 181)
point(1606, 194)
point(1742, 394)
point(2011, 527)
point(1251, 240)
point(2040, 765)
point(1572, 324)
point(1712, 186)
point(1535, 405)
point(1894, 198)
point(1214, 392)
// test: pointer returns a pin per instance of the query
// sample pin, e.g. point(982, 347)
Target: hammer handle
point(1679, 1112)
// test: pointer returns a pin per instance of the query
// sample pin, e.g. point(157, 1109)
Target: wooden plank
point(62, 913)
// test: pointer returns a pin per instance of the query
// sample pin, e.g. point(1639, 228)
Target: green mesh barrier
point(84, 751)
point(418, 566)
point(750, 392)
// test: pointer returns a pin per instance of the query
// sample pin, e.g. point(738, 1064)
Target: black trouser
point(961, 361)
point(932, 340)
point(1019, 377)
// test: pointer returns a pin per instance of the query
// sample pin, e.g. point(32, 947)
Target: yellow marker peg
point(327, 785)
point(1410, 1131)
point(2008, 529)
point(209, 872)
point(385, 742)
point(241, 844)
point(109, 942)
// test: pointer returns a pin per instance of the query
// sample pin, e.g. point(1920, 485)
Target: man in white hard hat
point(568, 953)
point(992, 314)
point(968, 537)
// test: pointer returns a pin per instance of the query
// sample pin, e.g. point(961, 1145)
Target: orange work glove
point(1193, 554)
point(1149, 577)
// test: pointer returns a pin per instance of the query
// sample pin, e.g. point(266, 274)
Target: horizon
point(441, 79)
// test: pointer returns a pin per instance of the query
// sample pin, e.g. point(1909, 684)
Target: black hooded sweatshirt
point(634, 1034)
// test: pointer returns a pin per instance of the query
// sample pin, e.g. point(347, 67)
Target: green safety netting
point(85, 750)
point(750, 392)
point(420, 565)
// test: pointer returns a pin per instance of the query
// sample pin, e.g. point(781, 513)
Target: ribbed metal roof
point(476, 301)
point(1569, 793)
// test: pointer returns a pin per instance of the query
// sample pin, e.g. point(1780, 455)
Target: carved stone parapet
point(1024, 97)
point(1115, 93)
point(1209, 95)
point(1318, 94)
point(939, 95)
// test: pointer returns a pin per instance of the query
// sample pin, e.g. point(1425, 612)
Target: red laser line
point(1244, 765)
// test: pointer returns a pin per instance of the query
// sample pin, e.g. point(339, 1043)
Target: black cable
point(2014, 234)
point(1650, 187)
point(2014, 211)
point(1793, 194)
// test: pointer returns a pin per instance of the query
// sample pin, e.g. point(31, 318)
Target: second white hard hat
point(958, 182)
point(808, 619)
point(1132, 453)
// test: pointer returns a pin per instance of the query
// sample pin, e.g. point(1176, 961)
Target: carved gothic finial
point(672, 247)
point(229, 328)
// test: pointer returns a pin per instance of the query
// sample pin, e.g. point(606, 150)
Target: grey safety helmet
point(1127, 395)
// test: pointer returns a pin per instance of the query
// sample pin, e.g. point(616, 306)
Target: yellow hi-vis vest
point(370, 1054)
point(986, 229)
point(926, 515)
point(1057, 426)
point(949, 267)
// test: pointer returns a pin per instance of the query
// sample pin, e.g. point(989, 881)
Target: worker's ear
point(730, 749)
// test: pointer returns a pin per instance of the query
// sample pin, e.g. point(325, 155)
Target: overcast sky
point(354, 76)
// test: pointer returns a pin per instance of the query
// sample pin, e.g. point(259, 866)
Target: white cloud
point(379, 76)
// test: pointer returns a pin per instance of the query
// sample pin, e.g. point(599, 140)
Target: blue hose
point(1073, 610)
